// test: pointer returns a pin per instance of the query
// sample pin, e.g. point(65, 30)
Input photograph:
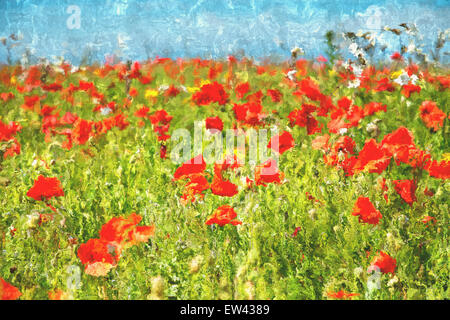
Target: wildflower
point(58, 294)
point(223, 215)
point(142, 112)
point(428, 219)
point(8, 291)
point(45, 188)
point(214, 123)
point(268, 173)
point(95, 255)
point(341, 295)
point(8, 131)
point(249, 113)
point(432, 116)
point(124, 232)
point(384, 262)
point(321, 142)
point(222, 187)
point(396, 56)
point(373, 107)
point(274, 94)
point(195, 165)
point(440, 170)
point(407, 89)
point(304, 118)
point(82, 131)
point(399, 144)
point(291, 75)
point(196, 186)
point(241, 90)
point(366, 211)
point(406, 189)
point(321, 59)
point(210, 93)
point(285, 142)
point(372, 157)
point(297, 229)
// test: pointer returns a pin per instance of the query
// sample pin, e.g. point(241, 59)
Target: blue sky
point(136, 30)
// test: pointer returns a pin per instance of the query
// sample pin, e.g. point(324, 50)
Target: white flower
point(353, 47)
point(343, 131)
point(297, 51)
point(105, 111)
point(163, 87)
point(32, 220)
point(291, 75)
point(413, 79)
point(371, 127)
point(402, 79)
point(354, 84)
point(357, 71)
point(411, 47)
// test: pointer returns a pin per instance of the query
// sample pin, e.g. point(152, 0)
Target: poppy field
point(93, 206)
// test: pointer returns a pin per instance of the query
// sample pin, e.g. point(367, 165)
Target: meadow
point(93, 207)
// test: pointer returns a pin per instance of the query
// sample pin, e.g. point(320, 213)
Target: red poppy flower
point(321, 142)
point(249, 113)
point(428, 219)
point(223, 215)
point(196, 186)
point(384, 84)
point(274, 94)
point(432, 116)
point(8, 131)
point(124, 232)
point(8, 291)
point(160, 116)
point(406, 189)
point(172, 91)
point(397, 56)
point(82, 131)
point(310, 89)
point(440, 170)
point(6, 96)
point(241, 90)
point(321, 59)
point(285, 142)
point(384, 262)
point(341, 295)
point(407, 89)
point(53, 87)
point(304, 118)
point(222, 187)
point(373, 107)
point(268, 173)
point(214, 123)
point(297, 229)
point(69, 118)
point(372, 157)
point(98, 257)
point(366, 211)
point(209, 93)
point(399, 144)
point(45, 188)
point(142, 112)
point(195, 165)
